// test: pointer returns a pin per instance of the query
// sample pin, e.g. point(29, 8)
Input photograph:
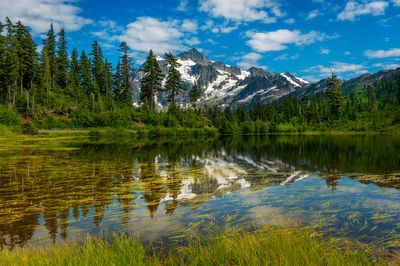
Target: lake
point(167, 190)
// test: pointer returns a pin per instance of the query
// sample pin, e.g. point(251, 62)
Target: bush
point(247, 127)
point(8, 116)
point(28, 128)
point(287, 127)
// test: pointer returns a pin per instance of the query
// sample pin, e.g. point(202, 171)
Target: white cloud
point(192, 41)
point(382, 53)
point(277, 40)
point(249, 60)
point(190, 25)
point(337, 67)
point(38, 14)
point(183, 5)
point(396, 2)
point(243, 10)
point(289, 21)
point(286, 57)
point(313, 14)
point(386, 65)
point(354, 9)
point(325, 51)
point(162, 36)
point(109, 29)
point(224, 28)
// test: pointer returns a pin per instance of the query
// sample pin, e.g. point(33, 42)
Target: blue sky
point(305, 38)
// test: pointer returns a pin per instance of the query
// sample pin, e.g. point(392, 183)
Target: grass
point(269, 246)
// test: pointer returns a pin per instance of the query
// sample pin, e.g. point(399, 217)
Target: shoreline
point(267, 246)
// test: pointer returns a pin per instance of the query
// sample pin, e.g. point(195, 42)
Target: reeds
point(270, 246)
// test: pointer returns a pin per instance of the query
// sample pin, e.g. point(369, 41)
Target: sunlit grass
point(270, 246)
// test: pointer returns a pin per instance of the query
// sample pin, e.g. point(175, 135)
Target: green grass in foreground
point(266, 247)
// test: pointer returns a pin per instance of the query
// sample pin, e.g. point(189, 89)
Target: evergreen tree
point(398, 89)
point(12, 62)
point(108, 78)
point(62, 60)
point(126, 70)
point(174, 83)
point(117, 82)
point(46, 75)
point(49, 47)
point(151, 83)
point(98, 67)
point(75, 71)
point(334, 94)
point(371, 98)
point(86, 75)
point(194, 94)
point(3, 66)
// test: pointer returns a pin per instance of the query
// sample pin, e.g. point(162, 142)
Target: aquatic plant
point(270, 246)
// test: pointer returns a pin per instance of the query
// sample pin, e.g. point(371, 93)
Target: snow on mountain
point(223, 84)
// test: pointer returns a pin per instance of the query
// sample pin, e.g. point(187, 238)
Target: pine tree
point(126, 73)
point(46, 74)
point(12, 61)
point(151, 83)
point(108, 78)
point(398, 90)
point(371, 98)
point(194, 94)
point(74, 71)
point(49, 47)
point(62, 60)
point(117, 82)
point(335, 96)
point(174, 83)
point(86, 75)
point(3, 66)
point(97, 66)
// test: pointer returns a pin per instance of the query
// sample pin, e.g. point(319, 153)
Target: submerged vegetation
point(270, 246)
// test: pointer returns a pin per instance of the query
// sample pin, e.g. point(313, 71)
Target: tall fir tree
point(126, 73)
point(117, 82)
point(398, 89)
point(3, 66)
point(12, 62)
point(194, 94)
point(174, 84)
point(335, 96)
point(49, 47)
point(371, 98)
point(98, 67)
point(46, 73)
point(86, 74)
point(62, 60)
point(151, 83)
point(108, 78)
point(75, 71)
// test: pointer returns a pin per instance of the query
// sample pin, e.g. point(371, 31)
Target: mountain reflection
point(53, 188)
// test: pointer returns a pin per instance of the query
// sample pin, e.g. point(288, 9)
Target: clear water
point(167, 190)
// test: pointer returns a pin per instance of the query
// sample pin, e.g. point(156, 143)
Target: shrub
point(287, 127)
point(28, 128)
point(8, 116)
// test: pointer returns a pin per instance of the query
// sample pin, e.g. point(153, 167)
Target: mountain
point(347, 86)
point(222, 84)
point(225, 85)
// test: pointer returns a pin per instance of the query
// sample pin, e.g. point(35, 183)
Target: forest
point(55, 89)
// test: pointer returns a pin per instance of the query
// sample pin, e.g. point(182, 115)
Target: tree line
point(56, 89)
point(30, 78)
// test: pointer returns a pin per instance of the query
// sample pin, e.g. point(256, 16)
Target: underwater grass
point(269, 246)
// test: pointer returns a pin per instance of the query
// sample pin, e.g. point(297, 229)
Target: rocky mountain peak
point(194, 55)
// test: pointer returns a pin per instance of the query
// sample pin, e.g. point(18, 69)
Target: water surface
point(170, 189)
